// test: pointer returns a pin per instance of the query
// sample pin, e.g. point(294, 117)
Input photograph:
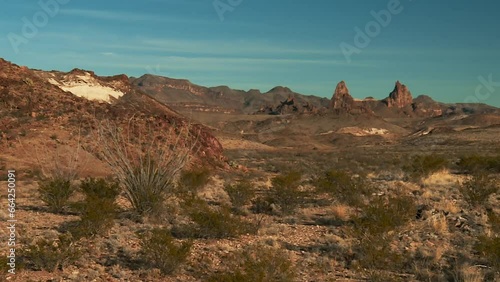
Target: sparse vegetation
point(477, 189)
point(98, 210)
point(375, 252)
point(494, 221)
point(145, 165)
point(478, 163)
point(489, 248)
point(191, 181)
point(51, 255)
point(373, 229)
point(383, 215)
point(240, 193)
point(343, 187)
point(161, 250)
point(212, 222)
point(55, 193)
point(421, 166)
point(285, 192)
point(258, 264)
point(261, 205)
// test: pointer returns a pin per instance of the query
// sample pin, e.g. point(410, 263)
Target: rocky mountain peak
point(342, 100)
point(280, 90)
point(400, 97)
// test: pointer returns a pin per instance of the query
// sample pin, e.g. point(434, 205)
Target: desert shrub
point(191, 181)
point(489, 248)
point(285, 192)
point(55, 192)
point(211, 222)
point(342, 186)
point(375, 252)
point(477, 163)
point(478, 188)
point(51, 255)
point(240, 193)
point(494, 221)
point(147, 186)
point(105, 190)
point(372, 228)
point(382, 276)
point(145, 161)
point(260, 264)
point(424, 165)
point(98, 210)
point(262, 205)
point(381, 215)
point(160, 250)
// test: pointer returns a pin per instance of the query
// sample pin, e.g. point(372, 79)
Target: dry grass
point(448, 205)
point(471, 274)
point(341, 212)
point(440, 178)
point(438, 253)
point(439, 224)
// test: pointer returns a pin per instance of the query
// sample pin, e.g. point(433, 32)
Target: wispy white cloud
point(213, 46)
point(109, 54)
point(125, 16)
point(209, 63)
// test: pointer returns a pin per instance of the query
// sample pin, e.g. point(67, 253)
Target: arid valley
point(274, 186)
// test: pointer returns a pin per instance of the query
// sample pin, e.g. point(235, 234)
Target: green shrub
point(478, 188)
point(100, 189)
point(191, 181)
point(381, 215)
point(374, 252)
point(372, 228)
point(240, 193)
point(261, 264)
point(160, 250)
point(477, 163)
point(50, 255)
point(262, 205)
point(98, 210)
point(211, 222)
point(489, 248)
point(424, 165)
point(55, 192)
point(285, 192)
point(382, 276)
point(494, 221)
point(343, 186)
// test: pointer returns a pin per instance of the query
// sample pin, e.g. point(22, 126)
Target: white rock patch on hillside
point(356, 131)
point(87, 87)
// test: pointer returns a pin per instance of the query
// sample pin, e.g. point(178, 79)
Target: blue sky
point(446, 49)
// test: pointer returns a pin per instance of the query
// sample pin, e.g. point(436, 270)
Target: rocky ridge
point(37, 101)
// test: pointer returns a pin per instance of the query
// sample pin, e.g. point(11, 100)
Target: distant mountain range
point(181, 94)
point(37, 101)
